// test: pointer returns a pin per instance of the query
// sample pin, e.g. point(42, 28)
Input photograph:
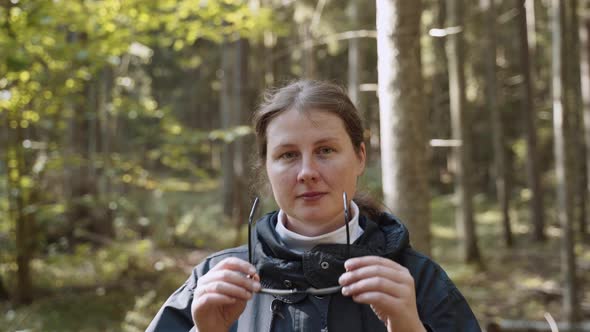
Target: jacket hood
point(281, 268)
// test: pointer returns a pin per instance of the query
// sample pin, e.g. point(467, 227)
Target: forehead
point(312, 123)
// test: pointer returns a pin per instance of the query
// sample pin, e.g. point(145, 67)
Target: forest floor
point(121, 287)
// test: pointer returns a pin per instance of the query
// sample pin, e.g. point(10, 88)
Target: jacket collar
point(321, 267)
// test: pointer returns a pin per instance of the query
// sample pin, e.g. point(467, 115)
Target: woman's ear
point(362, 156)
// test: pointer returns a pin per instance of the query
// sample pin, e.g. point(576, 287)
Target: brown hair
point(305, 96)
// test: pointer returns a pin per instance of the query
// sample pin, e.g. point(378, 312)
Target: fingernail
point(256, 286)
point(343, 278)
point(251, 270)
point(347, 264)
point(345, 291)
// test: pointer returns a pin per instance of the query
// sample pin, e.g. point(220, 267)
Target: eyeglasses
point(311, 290)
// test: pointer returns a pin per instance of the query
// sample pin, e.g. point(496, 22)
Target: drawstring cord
point(275, 309)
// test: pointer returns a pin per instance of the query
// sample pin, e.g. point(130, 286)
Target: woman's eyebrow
point(323, 140)
point(326, 140)
point(283, 146)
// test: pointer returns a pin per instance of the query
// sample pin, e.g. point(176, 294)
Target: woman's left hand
point(387, 287)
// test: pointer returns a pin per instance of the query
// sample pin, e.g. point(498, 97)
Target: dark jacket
point(441, 306)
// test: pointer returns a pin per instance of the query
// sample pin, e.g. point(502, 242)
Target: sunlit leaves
point(55, 56)
point(231, 134)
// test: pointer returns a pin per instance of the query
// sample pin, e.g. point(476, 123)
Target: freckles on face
point(310, 161)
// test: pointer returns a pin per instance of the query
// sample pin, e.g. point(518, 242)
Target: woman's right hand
point(222, 293)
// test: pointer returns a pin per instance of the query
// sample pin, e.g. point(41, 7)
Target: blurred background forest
point(125, 146)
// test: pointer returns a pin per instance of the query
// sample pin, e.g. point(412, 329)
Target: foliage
point(56, 56)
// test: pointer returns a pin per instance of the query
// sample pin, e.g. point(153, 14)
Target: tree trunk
point(227, 159)
point(403, 114)
point(17, 204)
point(355, 71)
point(574, 97)
point(530, 19)
point(584, 33)
point(564, 202)
point(5, 147)
point(528, 110)
point(111, 139)
point(459, 127)
point(242, 144)
point(3, 292)
point(354, 58)
point(308, 56)
point(104, 224)
point(82, 181)
point(497, 125)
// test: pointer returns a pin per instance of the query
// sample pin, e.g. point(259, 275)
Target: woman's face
point(310, 162)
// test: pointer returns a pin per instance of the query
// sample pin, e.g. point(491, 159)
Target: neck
point(303, 242)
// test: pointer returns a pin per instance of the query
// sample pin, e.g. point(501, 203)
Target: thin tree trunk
point(528, 110)
point(3, 292)
point(269, 77)
point(24, 282)
point(104, 226)
point(497, 125)
point(578, 152)
point(241, 108)
point(5, 147)
point(355, 71)
point(459, 127)
point(584, 33)
point(227, 159)
point(530, 19)
point(564, 206)
point(308, 58)
point(403, 140)
point(354, 58)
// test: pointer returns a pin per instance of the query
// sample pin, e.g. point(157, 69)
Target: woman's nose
point(308, 171)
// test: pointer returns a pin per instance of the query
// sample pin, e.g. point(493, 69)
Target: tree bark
point(226, 105)
point(564, 202)
point(574, 97)
point(497, 125)
point(104, 224)
point(403, 115)
point(584, 33)
point(242, 144)
point(354, 58)
point(308, 57)
point(459, 127)
point(3, 292)
point(528, 111)
point(17, 204)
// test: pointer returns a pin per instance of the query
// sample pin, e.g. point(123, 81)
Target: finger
point(225, 288)
point(211, 300)
point(365, 272)
point(357, 262)
point(235, 264)
point(256, 277)
point(377, 284)
point(231, 277)
point(377, 299)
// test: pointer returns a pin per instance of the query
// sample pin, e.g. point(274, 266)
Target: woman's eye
point(288, 155)
point(326, 150)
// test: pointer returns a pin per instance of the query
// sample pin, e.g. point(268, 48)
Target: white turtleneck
point(301, 243)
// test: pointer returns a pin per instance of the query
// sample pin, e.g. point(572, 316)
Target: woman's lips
point(311, 195)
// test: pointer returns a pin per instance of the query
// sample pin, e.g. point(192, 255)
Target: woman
point(310, 272)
